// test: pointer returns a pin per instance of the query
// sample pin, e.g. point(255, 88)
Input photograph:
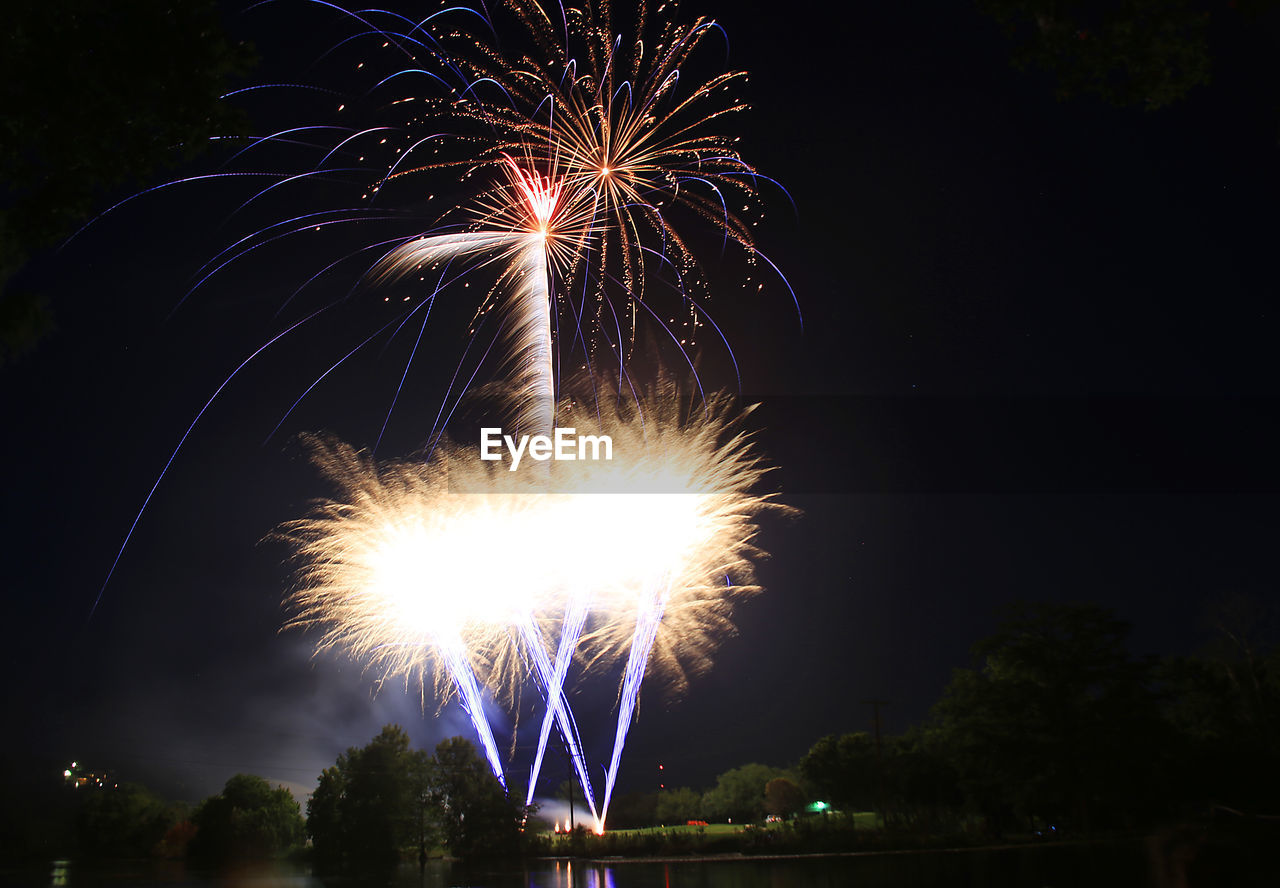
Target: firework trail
point(454, 654)
point(648, 619)
point(552, 678)
point(536, 228)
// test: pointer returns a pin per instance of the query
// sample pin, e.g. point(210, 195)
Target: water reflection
point(1084, 866)
point(166, 873)
point(574, 874)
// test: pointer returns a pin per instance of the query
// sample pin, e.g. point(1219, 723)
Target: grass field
point(711, 829)
point(861, 820)
point(812, 833)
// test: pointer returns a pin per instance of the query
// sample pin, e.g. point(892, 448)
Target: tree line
point(377, 805)
point(1055, 726)
point(387, 801)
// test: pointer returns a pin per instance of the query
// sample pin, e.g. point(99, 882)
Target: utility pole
point(569, 754)
point(876, 704)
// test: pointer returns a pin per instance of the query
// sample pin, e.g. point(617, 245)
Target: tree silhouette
point(1057, 721)
point(249, 819)
point(96, 96)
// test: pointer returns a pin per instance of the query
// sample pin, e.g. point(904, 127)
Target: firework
point(590, 100)
point(622, 153)
point(394, 571)
point(621, 119)
point(558, 711)
point(534, 229)
point(446, 571)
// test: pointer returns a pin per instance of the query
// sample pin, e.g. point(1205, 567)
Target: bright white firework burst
point(429, 570)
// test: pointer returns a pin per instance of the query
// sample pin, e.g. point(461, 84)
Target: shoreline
point(730, 856)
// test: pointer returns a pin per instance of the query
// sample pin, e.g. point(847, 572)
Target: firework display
point(450, 571)
point(587, 153)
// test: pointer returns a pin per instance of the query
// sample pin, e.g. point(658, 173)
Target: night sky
point(1037, 363)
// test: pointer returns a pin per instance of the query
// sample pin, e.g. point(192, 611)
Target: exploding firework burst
point(619, 121)
point(451, 573)
point(635, 133)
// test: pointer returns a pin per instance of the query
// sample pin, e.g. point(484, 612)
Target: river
point(1127, 865)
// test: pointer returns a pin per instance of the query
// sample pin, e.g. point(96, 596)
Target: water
point(1096, 866)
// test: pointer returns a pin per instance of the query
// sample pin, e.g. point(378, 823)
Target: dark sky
point(1037, 363)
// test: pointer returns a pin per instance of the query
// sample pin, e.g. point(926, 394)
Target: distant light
point(66, 773)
